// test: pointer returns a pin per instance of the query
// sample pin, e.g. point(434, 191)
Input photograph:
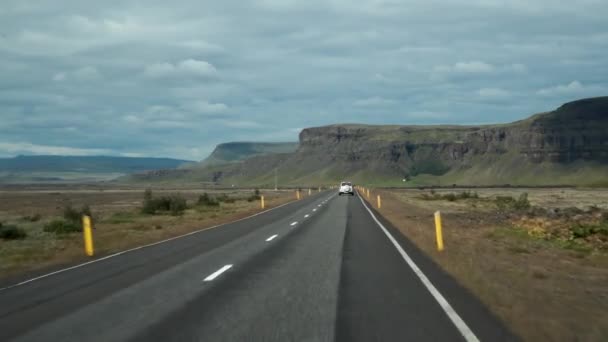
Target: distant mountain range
point(26, 169)
point(566, 146)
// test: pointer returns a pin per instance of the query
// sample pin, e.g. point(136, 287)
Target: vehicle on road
point(346, 188)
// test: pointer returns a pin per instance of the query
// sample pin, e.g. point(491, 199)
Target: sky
point(175, 78)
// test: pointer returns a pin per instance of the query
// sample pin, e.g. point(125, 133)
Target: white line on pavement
point(137, 248)
point(272, 237)
point(315, 209)
point(462, 327)
point(294, 223)
point(217, 273)
point(306, 216)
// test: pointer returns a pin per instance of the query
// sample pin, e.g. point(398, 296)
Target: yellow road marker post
point(262, 202)
point(367, 193)
point(298, 194)
point(309, 192)
point(438, 231)
point(87, 233)
point(379, 202)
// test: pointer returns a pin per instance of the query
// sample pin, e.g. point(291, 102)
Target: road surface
point(325, 268)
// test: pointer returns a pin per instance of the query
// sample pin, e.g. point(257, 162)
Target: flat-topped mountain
point(566, 146)
point(238, 151)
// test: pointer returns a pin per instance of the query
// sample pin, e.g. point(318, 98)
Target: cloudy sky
point(174, 78)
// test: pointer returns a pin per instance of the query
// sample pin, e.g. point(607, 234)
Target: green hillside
point(238, 151)
point(566, 146)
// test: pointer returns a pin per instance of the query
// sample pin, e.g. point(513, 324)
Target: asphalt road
point(325, 268)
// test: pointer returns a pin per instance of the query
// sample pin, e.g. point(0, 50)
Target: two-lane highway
point(321, 269)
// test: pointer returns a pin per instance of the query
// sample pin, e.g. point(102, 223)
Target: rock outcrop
point(568, 145)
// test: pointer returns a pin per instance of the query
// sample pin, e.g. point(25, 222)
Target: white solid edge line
point(217, 273)
point(294, 223)
point(315, 209)
point(272, 237)
point(462, 327)
point(306, 216)
point(140, 247)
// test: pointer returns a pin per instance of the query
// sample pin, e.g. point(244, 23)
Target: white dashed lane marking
point(217, 273)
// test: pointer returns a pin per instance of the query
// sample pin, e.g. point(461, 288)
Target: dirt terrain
point(118, 221)
point(532, 265)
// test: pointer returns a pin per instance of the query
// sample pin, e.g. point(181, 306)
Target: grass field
point(118, 221)
point(534, 267)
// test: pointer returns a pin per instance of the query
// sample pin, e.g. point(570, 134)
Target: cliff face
point(575, 131)
point(566, 146)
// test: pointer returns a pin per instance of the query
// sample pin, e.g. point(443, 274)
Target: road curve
point(325, 268)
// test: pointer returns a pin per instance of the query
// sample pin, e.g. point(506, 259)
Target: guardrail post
point(438, 231)
point(87, 233)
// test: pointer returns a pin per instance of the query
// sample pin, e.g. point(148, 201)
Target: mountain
point(238, 151)
point(72, 168)
point(566, 146)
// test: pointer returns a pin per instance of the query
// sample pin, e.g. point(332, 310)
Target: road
point(325, 268)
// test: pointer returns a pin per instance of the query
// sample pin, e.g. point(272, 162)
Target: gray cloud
point(174, 79)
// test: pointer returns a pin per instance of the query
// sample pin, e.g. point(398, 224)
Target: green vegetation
point(223, 198)
point(525, 241)
point(71, 221)
point(174, 204)
point(587, 230)
point(510, 203)
point(121, 217)
point(60, 226)
point(256, 196)
point(11, 232)
point(208, 201)
point(73, 215)
point(32, 218)
point(449, 196)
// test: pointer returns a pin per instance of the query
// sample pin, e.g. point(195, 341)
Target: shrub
point(12, 233)
point(74, 216)
point(583, 231)
point(148, 206)
point(256, 195)
point(450, 197)
point(510, 203)
point(522, 202)
point(174, 204)
point(33, 218)
point(60, 226)
point(468, 194)
point(86, 210)
point(207, 200)
point(70, 214)
point(177, 205)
